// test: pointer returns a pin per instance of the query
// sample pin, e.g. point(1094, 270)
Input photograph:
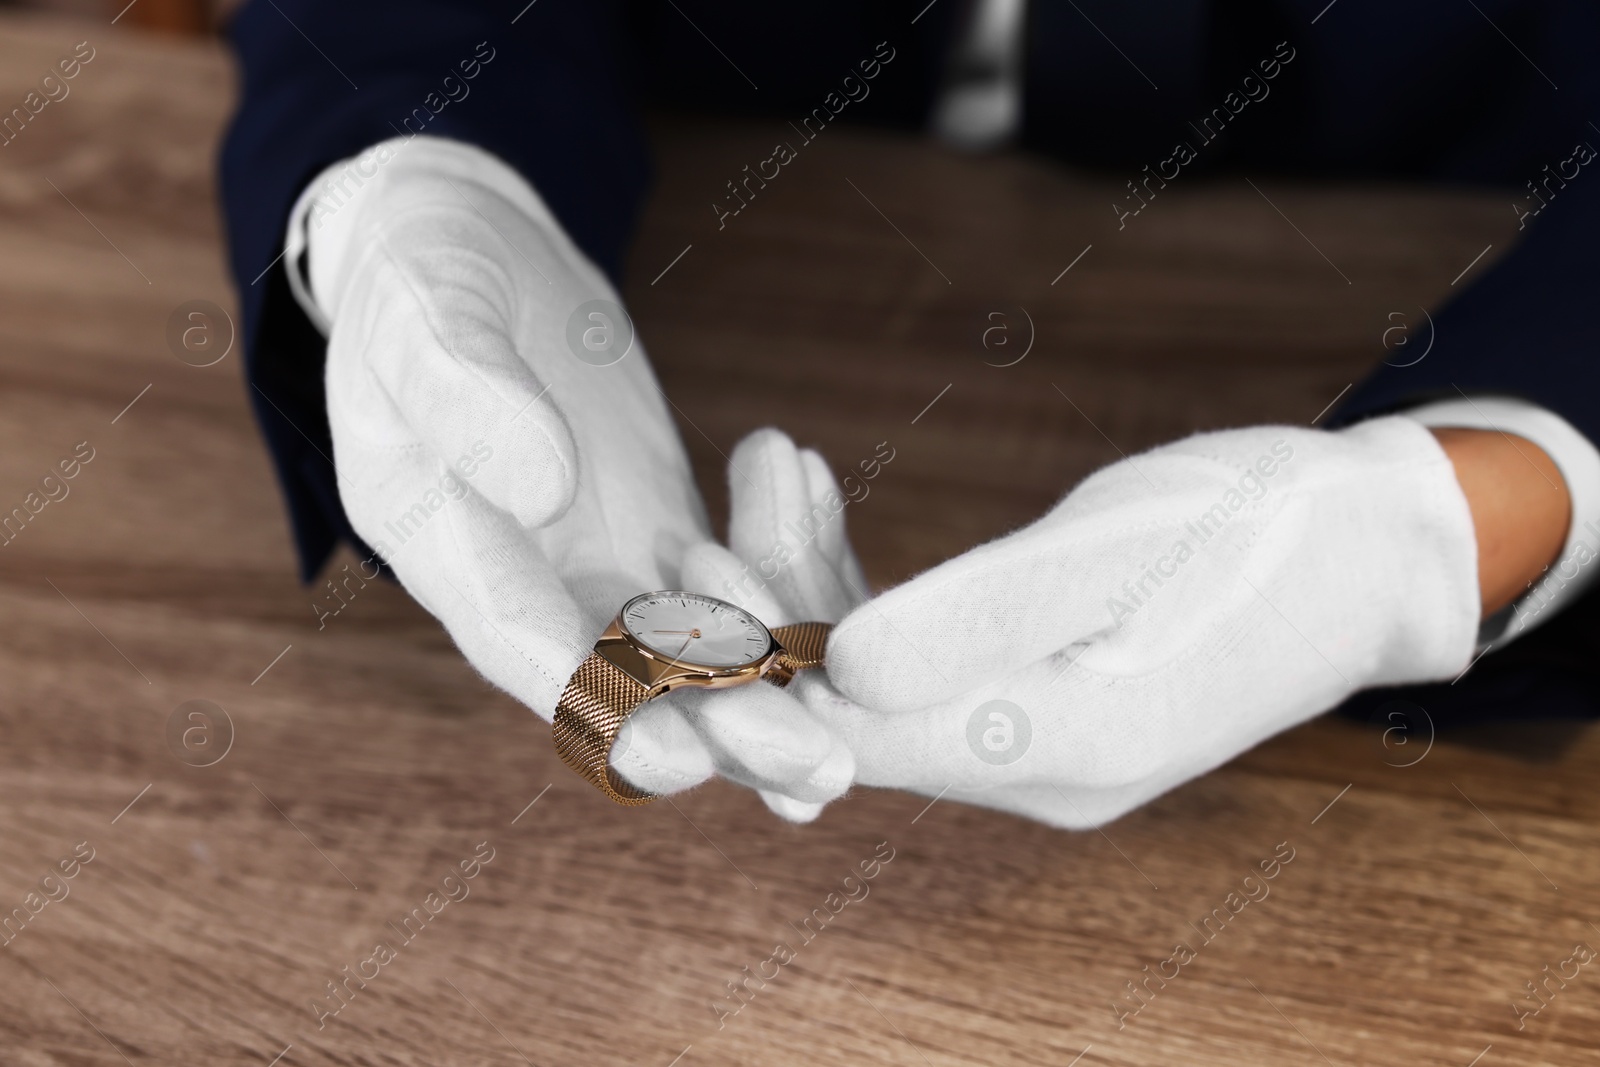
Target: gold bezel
point(661, 674)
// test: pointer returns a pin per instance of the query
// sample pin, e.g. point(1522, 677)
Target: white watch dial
point(696, 629)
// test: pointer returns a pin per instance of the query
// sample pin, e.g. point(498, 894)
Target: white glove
point(1172, 611)
point(521, 493)
point(790, 562)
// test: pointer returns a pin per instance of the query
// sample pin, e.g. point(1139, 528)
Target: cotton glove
point(1170, 612)
point(520, 474)
point(790, 561)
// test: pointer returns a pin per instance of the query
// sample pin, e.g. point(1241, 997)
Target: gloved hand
point(1173, 610)
point(511, 456)
point(790, 561)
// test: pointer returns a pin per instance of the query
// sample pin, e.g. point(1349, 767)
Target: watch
point(661, 641)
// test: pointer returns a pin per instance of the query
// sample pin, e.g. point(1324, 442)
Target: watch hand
point(690, 632)
point(685, 645)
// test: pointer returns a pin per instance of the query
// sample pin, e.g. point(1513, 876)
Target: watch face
point(695, 629)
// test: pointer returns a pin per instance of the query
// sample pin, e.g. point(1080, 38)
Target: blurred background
point(365, 758)
point(197, 17)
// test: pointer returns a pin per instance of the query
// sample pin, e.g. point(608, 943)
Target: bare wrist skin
point(1521, 509)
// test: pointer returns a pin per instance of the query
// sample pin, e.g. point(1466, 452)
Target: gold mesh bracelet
point(600, 696)
point(803, 644)
point(598, 699)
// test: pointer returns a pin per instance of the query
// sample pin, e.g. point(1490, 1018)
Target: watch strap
point(600, 696)
point(803, 645)
point(598, 699)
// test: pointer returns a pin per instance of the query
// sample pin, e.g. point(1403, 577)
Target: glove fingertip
point(768, 441)
point(658, 751)
point(789, 809)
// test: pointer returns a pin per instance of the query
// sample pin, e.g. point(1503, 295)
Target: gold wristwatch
point(663, 641)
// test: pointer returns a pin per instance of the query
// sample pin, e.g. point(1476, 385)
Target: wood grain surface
point(367, 760)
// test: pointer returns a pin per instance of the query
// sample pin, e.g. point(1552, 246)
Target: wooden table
point(367, 759)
